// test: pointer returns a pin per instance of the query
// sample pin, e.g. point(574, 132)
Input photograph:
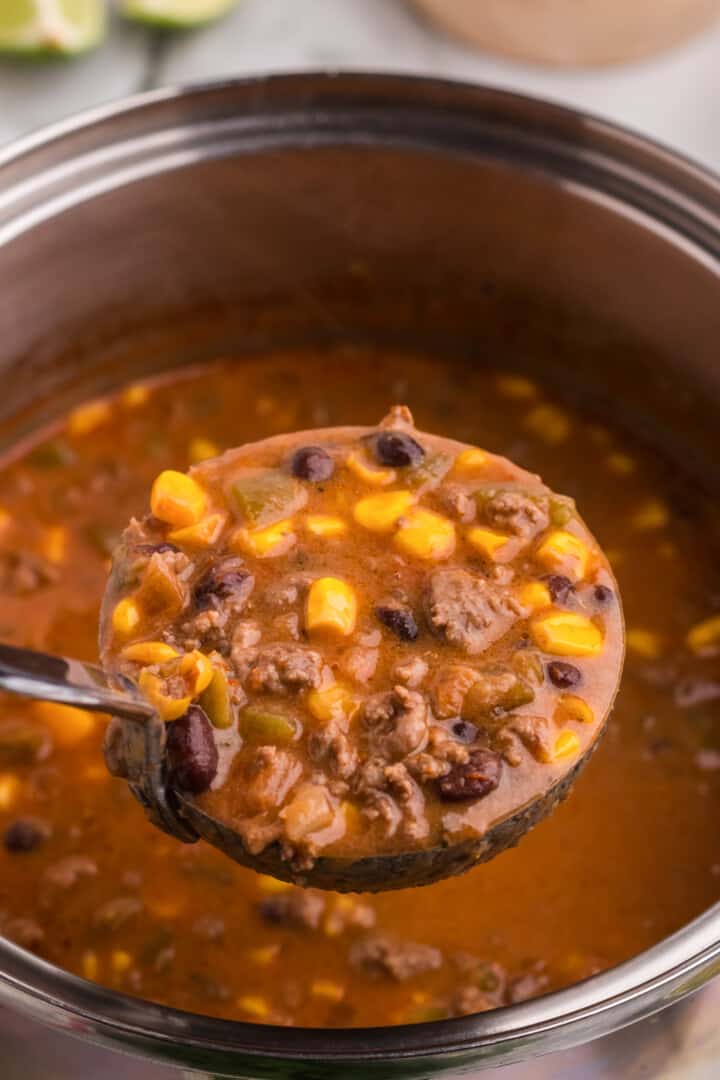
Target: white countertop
point(674, 98)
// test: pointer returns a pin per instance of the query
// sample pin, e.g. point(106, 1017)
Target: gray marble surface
point(674, 98)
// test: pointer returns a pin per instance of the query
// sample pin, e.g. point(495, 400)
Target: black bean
point(191, 752)
point(559, 587)
point(312, 463)
point(465, 731)
point(563, 675)
point(603, 595)
point(399, 620)
point(397, 449)
point(228, 581)
point(473, 780)
point(24, 835)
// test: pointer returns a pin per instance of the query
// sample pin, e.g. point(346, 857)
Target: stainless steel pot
point(355, 207)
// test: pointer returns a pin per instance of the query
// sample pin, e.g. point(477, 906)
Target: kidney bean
point(563, 675)
point(312, 463)
point(25, 835)
point(397, 449)
point(228, 584)
point(559, 587)
point(191, 752)
point(474, 779)
point(399, 620)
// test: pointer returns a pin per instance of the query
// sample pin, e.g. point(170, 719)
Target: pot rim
point(637, 175)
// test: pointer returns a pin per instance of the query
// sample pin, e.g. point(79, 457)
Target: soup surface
point(633, 854)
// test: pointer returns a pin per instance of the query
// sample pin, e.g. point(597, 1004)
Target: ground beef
point(411, 672)
point(26, 933)
point(467, 610)
point(402, 786)
point(532, 732)
point(449, 689)
point(68, 871)
point(396, 722)
point(278, 669)
point(382, 955)
point(299, 908)
point(359, 663)
point(456, 502)
point(21, 573)
point(511, 511)
point(331, 746)
point(348, 913)
point(269, 778)
point(115, 913)
point(527, 986)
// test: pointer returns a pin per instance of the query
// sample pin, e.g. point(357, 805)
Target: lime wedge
point(175, 14)
point(50, 27)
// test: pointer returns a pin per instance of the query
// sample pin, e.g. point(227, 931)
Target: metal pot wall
point(317, 208)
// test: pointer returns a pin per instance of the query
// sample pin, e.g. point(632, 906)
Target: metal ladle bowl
point(135, 751)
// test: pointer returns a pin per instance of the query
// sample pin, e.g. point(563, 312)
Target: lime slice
point(50, 27)
point(175, 14)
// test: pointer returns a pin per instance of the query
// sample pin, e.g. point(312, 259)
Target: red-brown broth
point(629, 858)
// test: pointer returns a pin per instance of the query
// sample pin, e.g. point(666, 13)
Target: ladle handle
point(71, 682)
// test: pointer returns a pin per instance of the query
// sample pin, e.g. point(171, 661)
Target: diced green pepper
point(562, 510)
point(430, 470)
point(215, 700)
point(259, 723)
point(267, 496)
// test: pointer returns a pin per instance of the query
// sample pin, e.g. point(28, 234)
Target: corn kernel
point(327, 990)
point(564, 553)
point(135, 395)
point(54, 544)
point(644, 643)
point(168, 708)
point(69, 725)
point(270, 884)
point(704, 637)
point(621, 464)
point(331, 605)
point(535, 595)
point(254, 1005)
point(566, 634)
point(380, 513)
point(149, 652)
point(336, 702)
point(9, 790)
point(516, 386)
point(5, 519)
point(201, 449)
point(486, 541)
point(473, 458)
point(325, 525)
point(571, 707)
point(197, 670)
point(352, 815)
point(425, 534)
point(370, 474)
point(120, 961)
point(89, 965)
point(567, 744)
point(653, 514)
point(549, 423)
point(204, 534)
point(263, 955)
point(87, 417)
point(126, 617)
point(266, 543)
point(177, 499)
